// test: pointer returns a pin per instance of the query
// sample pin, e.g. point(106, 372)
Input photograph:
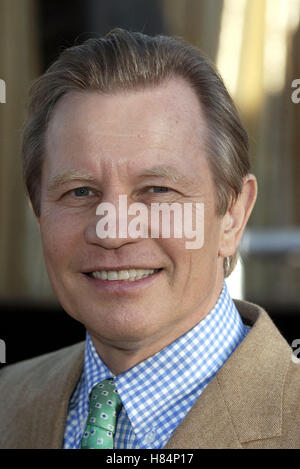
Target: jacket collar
point(244, 401)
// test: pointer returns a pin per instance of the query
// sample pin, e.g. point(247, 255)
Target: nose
point(109, 227)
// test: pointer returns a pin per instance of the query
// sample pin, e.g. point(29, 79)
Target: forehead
point(162, 124)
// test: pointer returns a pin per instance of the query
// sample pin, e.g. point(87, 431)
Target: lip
point(122, 286)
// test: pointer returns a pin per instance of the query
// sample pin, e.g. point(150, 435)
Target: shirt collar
point(151, 389)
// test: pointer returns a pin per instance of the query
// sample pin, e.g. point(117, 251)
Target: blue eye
point(82, 191)
point(159, 189)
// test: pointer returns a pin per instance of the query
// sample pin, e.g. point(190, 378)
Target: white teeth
point(112, 275)
point(131, 274)
point(123, 275)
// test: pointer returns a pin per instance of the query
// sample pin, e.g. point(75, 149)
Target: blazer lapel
point(207, 425)
point(243, 403)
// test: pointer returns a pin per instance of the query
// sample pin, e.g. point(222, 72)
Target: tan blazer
point(253, 401)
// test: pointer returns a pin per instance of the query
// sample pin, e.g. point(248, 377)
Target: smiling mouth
point(130, 275)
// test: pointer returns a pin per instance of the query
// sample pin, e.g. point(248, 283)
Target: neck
point(121, 355)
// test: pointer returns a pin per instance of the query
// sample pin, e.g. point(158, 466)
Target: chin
point(122, 331)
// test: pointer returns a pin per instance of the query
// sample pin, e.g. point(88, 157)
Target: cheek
point(60, 236)
point(175, 251)
point(195, 262)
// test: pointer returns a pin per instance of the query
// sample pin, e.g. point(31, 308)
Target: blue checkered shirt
point(158, 393)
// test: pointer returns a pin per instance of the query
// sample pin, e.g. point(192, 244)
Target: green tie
point(104, 406)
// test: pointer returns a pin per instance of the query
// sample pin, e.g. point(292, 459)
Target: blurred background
point(255, 44)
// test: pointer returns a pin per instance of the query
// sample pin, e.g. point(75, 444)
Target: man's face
point(97, 148)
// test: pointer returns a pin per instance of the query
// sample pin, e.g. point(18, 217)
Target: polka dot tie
point(104, 406)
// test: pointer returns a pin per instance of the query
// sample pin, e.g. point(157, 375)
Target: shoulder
point(34, 394)
point(253, 400)
point(42, 366)
point(25, 377)
point(266, 383)
point(265, 344)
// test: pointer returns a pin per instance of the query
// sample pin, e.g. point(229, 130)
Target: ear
point(31, 208)
point(235, 220)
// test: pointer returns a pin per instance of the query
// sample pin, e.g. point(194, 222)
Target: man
point(180, 364)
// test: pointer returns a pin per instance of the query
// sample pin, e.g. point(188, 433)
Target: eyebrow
point(169, 172)
point(67, 176)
